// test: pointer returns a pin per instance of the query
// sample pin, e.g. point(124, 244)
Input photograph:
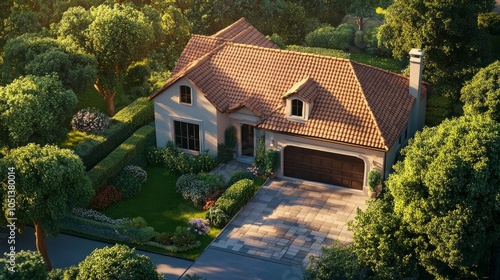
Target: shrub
point(126, 183)
point(277, 40)
point(361, 39)
point(330, 37)
point(183, 239)
point(236, 196)
point(199, 227)
point(272, 161)
point(192, 189)
point(217, 217)
point(165, 238)
point(319, 51)
point(239, 175)
point(203, 162)
point(90, 120)
point(155, 156)
point(335, 262)
point(374, 179)
point(105, 196)
point(139, 235)
point(137, 222)
point(123, 124)
point(96, 216)
point(260, 153)
point(137, 172)
point(230, 138)
point(215, 181)
point(180, 163)
point(121, 156)
point(224, 154)
point(29, 265)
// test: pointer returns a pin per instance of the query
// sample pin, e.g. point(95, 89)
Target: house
point(333, 120)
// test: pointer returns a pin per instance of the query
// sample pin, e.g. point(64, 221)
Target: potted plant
point(374, 184)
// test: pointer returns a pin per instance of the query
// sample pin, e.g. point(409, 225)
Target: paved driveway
point(289, 221)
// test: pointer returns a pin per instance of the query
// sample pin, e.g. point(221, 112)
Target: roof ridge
point(242, 19)
point(367, 104)
point(379, 69)
point(287, 51)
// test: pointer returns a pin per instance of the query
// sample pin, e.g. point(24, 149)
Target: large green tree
point(34, 109)
point(442, 209)
point(117, 262)
point(29, 265)
point(35, 54)
point(117, 36)
point(455, 48)
point(481, 95)
point(49, 183)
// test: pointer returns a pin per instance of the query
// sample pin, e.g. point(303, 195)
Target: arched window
point(297, 108)
point(185, 95)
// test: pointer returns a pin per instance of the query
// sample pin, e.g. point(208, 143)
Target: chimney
point(416, 60)
point(415, 88)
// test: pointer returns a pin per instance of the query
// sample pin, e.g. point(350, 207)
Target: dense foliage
point(34, 110)
point(117, 262)
point(50, 182)
point(29, 266)
point(481, 95)
point(455, 47)
point(441, 214)
point(89, 120)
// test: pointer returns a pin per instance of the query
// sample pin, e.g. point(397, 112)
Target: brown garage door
point(323, 167)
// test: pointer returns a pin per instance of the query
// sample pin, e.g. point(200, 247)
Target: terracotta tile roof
point(353, 103)
point(239, 32)
point(307, 89)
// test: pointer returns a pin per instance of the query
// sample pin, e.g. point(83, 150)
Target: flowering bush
point(192, 189)
point(96, 216)
point(254, 170)
point(199, 227)
point(183, 239)
point(90, 120)
point(137, 172)
point(105, 196)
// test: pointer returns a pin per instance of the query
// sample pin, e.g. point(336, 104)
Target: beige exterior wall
point(373, 159)
point(168, 109)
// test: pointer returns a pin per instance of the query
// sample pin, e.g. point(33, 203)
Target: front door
point(247, 140)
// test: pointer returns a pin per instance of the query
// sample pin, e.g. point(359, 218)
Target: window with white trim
point(297, 109)
point(185, 95)
point(187, 135)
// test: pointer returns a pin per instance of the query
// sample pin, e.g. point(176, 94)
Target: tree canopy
point(442, 209)
point(481, 95)
point(35, 54)
point(455, 47)
point(50, 182)
point(34, 110)
point(29, 266)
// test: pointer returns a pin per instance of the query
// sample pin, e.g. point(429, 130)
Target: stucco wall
point(201, 112)
point(373, 159)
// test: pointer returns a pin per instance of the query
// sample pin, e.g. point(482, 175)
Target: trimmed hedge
point(96, 147)
point(235, 197)
point(121, 156)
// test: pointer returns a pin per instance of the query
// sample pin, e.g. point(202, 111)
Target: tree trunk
point(41, 245)
point(110, 104)
point(359, 21)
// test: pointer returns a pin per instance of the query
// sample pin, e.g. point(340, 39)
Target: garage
point(323, 167)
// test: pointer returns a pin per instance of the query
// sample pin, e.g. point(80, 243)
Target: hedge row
point(236, 196)
point(121, 156)
point(96, 147)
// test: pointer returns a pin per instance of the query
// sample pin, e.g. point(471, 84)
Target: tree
point(362, 9)
point(116, 36)
point(443, 208)
point(447, 31)
point(29, 266)
point(481, 95)
point(34, 109)
point(117, 262)
point(49, 183)
point(34, 54)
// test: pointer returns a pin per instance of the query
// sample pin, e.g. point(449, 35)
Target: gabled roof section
point(239, 32)
point(355, 104)
point(307, 89)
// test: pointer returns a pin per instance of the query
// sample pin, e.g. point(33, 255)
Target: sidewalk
point(66, 250)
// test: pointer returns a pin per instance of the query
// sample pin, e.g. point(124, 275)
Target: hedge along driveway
point(121, 156)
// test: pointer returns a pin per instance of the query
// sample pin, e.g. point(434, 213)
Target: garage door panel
point(323, 167)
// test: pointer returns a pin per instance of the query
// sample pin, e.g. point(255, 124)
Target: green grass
point(386, 63)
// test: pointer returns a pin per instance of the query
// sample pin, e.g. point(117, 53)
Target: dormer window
point(297, 108)
point(185, 95)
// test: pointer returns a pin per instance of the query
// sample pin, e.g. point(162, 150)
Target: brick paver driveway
point(289, 221)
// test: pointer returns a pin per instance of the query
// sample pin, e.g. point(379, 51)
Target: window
point(187, 135)
point(185, 95)
point(297, 108)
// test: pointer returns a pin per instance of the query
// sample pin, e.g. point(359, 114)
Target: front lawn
point(162, 207)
